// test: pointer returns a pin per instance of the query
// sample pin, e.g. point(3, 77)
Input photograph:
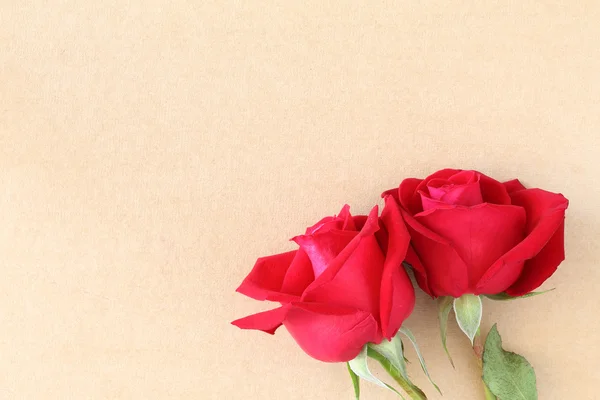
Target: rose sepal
point(445, 304)
point(468, 309)
point(390, 354)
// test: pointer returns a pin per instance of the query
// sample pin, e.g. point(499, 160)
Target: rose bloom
point(473, 234)
point(343, 288)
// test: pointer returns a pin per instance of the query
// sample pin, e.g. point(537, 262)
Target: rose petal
point(464, 195)
point(393, 192)
point(370, 227)
point(266, 278)
point(480, 234)
point(382, 235)
point(493, 191)
point(345, 215)
point(538, 205)
point(267, 321)
point(542, 266)
point(446, 272)
point(329, 332)
point(418, 269)
point(513, 186)
point(407, 195)
point(323, 247)
point(397, 297)
point(339, 221)
point(359, 221)
point(357, 283)
point(326, 239)
point(464, 177)
point(299, 275)
point(411, 256)
point(429, 203)
point(446, 173)
point(545, 215)
point(468, 194)
point(408, 191)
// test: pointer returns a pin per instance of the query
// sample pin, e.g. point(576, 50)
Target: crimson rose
point(473, 234)
point(343, 288)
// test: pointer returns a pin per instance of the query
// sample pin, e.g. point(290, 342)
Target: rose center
point(461, 189)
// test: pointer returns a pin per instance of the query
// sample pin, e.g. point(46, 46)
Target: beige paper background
point(151, 150)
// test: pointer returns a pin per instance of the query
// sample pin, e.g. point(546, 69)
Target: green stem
point(478, 350)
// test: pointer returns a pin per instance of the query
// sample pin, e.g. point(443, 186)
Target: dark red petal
point(397, 298)
point(513, 186)
point(359, 221)
point(267, 321)
point(391, 192)
point(417, 267)
point(382, 235)
point(538, 205)
point(545, 215)
point(331, 333)
point(493, 191)
point(542, 266)
point(408, 196)
point(446, 272)
point(266, 278)
point(464, 177)
point(480, 234)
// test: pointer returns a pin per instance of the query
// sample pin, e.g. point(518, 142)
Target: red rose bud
point(473, 234)
point(343, 288)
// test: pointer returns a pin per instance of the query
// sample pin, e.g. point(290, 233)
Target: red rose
point(473, 234)
point(344, 287)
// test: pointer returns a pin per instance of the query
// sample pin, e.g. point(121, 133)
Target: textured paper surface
point(151, 150)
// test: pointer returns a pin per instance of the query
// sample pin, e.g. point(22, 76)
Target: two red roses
point(460, 231)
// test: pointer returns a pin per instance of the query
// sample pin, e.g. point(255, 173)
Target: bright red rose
point(473, 234)
point(344, 287)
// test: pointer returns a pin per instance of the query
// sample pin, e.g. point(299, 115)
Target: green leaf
point(507, 375)
point(412, 339)
point(444, 307)
point(505, 296)
point(394, 351)
point(412, 390)
point(355, 382)
point(359, 367)
point(468, 310)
